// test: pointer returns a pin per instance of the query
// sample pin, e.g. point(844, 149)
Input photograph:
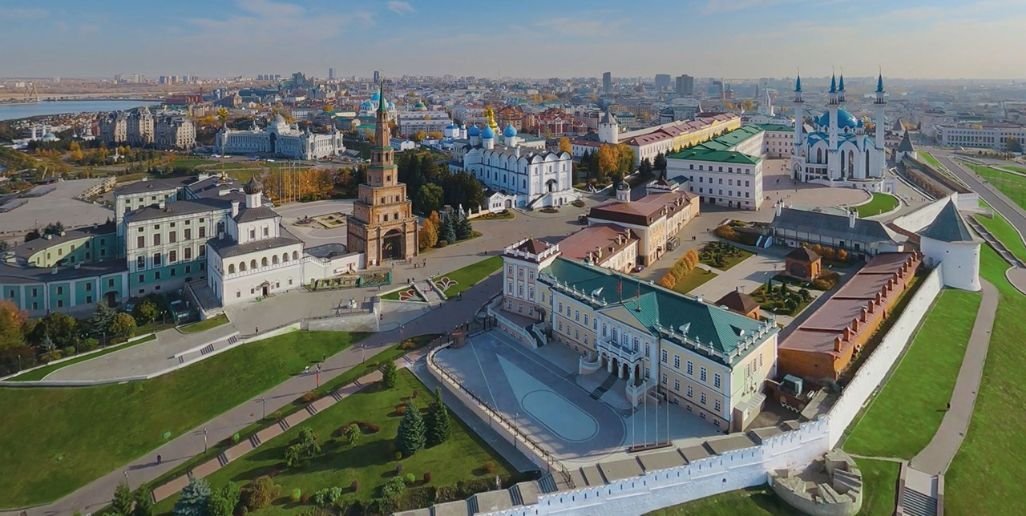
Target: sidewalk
point(97, 494)
point(935, 458)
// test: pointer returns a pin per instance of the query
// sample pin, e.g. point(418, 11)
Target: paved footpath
point(97, 494)
point(937, 456)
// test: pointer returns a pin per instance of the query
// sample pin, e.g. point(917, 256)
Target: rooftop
point(608, 237)
point(702, 327)
point(153, 185)
point(835, 226)
point(175, 208)
point(949, 226)
point(642, 211)
point(226, 248)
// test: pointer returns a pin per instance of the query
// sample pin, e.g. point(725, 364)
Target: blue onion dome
point(509, 131)
point(474, 131)
point(375, 96)
point(366, 106)
point(487, 133)
point(844, 120)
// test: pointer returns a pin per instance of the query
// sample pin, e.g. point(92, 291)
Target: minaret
point(879, 156)
point(798, 163)
point(833, 159)
point(840, 90)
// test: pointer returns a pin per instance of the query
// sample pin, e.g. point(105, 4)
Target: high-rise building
point(685, 85)
point(331, 74)
point(607, 82)
point(377, 76)
point(662, 81)
point(382, 225)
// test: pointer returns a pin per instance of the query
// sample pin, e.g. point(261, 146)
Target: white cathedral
point(280, 139)
point(519, 174)
point(838, 152)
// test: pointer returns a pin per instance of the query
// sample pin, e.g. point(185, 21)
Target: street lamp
point(204, 439)
point(263, 408)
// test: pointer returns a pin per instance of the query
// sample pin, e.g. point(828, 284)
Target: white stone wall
point(875, 368)
point(738, 469)
point(959, 262)
point(317, 268)
point(232, 285)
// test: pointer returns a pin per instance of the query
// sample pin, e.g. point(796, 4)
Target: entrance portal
point(111, 298)
point(392, 245)
point(265, 289)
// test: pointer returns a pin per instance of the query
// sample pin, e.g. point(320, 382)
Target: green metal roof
point(718, 156)
point(651, 307)
point(776, 128)
point(720, 149)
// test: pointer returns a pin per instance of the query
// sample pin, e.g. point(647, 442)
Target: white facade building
point(838, 152)
point(280, 139)
point(985, 136)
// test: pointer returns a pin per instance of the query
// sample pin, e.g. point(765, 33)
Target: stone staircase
point(548, 484)
point(917, 504)
point(428, 291)
point(604, 387)
point(995, 243)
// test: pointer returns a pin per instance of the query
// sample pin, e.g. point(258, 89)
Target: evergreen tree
point(411, 436)
point(389, 375)
point(224, 500)
point(437, 421)
point(645, 169)
point(660, 165)
point(194, 500)
point(449, 229)
point(143, 503)
point(122, 502)
point(464, 229)
point(100, 322)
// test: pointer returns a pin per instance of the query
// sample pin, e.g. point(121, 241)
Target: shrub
point(411, 479)
point(68, 351)
point(393, 488)
point(351, 434)
point(578, 203)
point(371, 428)
point(88, 345)
point(309, 397)
point(427, 477)
point(296, 496)
point(490, 467)
point(442, 243)
point(446, 494)
point(327, 497)
point(389, 375)
point(236, 438)
point(400, 409)
point(259, 493)
point(355, 486)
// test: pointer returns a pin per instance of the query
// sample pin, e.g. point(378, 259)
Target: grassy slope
point(987, 474)
point(470, 275)
point(1004, 232)
point(928, 158)
point(880, 483)
point(903, 417)
point(56, 440)
point(205, 324)
point(1012, 185)
point(880, 203)
point(371, 461)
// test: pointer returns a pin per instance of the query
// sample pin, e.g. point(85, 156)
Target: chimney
point(837, 343)
point(865, 313)
point(855, 325)
point(235, 208)
point(847, 333)
point(872, 306)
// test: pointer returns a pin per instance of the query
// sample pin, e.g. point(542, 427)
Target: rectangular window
point(89, 287)
point(716, 380)
point(702, 398)
point(140, 242)
point(172, 256)
point(664, 379)
point(156, 259)
point(716, 405)
point(142, 278)
point(265, 231)
point(110, 282)
point(691, 368)
point(691, 392)
point(188, 253)
point(676, 385)
point(156, 275)
point(172, 237)
point(203, 250)
point(676, 361)
point(140, 262)
point(188, 233)
point(156, 239)
point(701, 374)
point(60, 290)
point(202, 231)
point(664, 356)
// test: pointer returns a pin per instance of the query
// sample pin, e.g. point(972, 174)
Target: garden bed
point(723, 256)
point(780, 299)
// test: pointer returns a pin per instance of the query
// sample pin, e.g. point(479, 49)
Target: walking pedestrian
point(159, 459)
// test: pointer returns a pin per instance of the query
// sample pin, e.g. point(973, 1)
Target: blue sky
point(524, 38)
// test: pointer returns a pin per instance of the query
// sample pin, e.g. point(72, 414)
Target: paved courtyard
point(541, 393)
point(37, 212)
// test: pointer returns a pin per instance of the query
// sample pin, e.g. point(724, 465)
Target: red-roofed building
point(655, 218)
point(606, 245)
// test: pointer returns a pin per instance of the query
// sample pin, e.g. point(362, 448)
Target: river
point(25, 110)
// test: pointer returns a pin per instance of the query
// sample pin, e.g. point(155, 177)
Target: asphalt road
point(996, 199)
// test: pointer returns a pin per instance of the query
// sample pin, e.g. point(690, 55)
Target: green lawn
point(394, 295)
point(756, 501)
point(371, 461)
point(58, 439)
point(987, 474)
point(1004, 232)
point(204, 325)
point(1012, 185)
point(880, 486)
point(470, 275)
point(1016, 168)
point(722, 255)
point(903, 417)
point(928, 158)
point(693, 280)
point(39, 374)
point(880, 481)
point(880, 203)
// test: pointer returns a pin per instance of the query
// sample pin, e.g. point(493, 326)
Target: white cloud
point(400, 7)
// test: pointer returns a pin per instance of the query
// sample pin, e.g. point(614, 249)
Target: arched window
point(252, 263)
point(819, 155)
point(284, 257)
point(295, 255)
point(274, 260)
point(263, 262)
point(231, 268)
point(242, 266)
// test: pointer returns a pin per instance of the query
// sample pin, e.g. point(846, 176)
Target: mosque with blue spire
point(838, 151)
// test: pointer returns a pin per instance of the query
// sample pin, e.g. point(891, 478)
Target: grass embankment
point(371, 461)
point(1005, 232)
point(470, 275)
point(879, 203)
point(1012, 185)
point(204, 325)
point(928, 158)
point(902, 418)
point(58, 439)
point(42, 372)
point(987, 474)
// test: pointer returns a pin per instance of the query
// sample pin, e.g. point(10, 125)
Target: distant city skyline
point(943, 39)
